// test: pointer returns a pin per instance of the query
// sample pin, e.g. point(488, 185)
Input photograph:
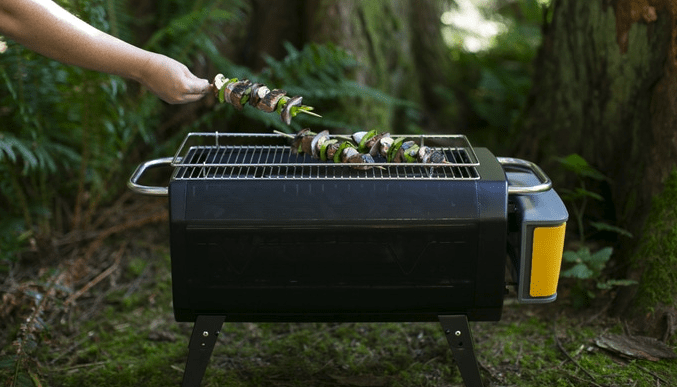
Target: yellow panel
point(546, 259)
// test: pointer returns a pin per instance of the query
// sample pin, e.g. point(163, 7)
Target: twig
point(584, 381)
point(98, 278)
point(490, 372)
point(651, 373)
point(561, 348)
point(70, 349)
point(98, 363)
point(134, 223)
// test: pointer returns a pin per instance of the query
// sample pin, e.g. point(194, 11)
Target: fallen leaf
point(636, 347)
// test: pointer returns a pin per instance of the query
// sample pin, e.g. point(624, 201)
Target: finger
point(191, 98)
point(200, 87)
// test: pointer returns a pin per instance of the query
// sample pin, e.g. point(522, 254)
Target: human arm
point(46, 28)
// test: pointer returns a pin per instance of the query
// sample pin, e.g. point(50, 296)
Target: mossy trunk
point(606, 89)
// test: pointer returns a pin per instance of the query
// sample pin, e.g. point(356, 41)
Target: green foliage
point(319, 73)
point(579, 196)
point(187, 30)
point(579, 166)
point(586, 266)
point(17, 375)
point(66, 133)
point(496, 79)
point(590, 266)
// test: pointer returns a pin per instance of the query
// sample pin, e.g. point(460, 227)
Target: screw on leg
point(459, 337)
point(200, 347)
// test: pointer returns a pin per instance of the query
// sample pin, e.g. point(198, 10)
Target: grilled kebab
point(363, 147)
point(239, 92)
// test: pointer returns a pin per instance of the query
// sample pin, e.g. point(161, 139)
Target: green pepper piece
point(281, 103)
point(363, 147)
point(222, 94)
point(411, 154)
point(245, 96)
point(394, 148)
point(303, 109)
point(222, 90)
point(323, 149)
point(344, 145)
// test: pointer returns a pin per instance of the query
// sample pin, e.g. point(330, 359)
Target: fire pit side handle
point(545, 184)
point(133, 182)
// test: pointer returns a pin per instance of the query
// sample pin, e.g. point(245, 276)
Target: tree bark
point(398, 46)
point(605, 89)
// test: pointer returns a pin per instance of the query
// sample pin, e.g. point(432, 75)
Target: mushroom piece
point(427, 154)
point(357, 136)
point(258, 91)
point(286, 111)
point(399, 156)
point(228, 91)
point(353, 156)
point(317, 143)
point(239, 90)
point(372, 144)
point(297, 143)
point(332, 149)
point(219, 81)
point(269, 102)
point(382, 146)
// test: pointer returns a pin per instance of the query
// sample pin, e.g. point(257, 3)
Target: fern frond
point(11, 147)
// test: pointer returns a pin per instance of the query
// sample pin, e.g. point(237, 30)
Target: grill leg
point(200, 347)
point(459, 337)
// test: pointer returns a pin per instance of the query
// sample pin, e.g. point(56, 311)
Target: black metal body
point(340, 250)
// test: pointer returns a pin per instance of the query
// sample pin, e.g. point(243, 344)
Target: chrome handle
point(144, 189)
point(524, 165)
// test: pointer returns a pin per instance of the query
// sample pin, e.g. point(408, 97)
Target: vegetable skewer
point(363, 148)
point(239, 92)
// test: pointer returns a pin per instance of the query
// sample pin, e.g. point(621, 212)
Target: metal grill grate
point(268, 156)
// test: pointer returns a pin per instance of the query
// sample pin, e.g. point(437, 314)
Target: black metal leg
point(202, 340)
point(458, 335)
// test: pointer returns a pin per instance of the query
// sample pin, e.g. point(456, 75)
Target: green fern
point(321, 74)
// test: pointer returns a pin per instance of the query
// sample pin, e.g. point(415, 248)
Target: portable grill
point(261, 233)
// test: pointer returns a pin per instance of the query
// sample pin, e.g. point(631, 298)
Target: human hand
point(172, 81)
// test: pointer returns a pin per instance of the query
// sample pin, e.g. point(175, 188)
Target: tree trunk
point(398, 46)
point(605, 88)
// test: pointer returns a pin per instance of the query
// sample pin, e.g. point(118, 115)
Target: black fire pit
point(260, 233)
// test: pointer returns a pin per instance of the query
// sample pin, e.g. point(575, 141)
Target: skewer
point(239, 92)
point(283, 134)
point(288, 135)
point(361, 146)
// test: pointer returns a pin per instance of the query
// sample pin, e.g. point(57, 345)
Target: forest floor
point(118, 329)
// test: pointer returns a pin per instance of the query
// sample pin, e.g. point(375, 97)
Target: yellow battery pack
point(546, 260)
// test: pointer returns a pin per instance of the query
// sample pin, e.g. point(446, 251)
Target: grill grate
point(268, 156)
